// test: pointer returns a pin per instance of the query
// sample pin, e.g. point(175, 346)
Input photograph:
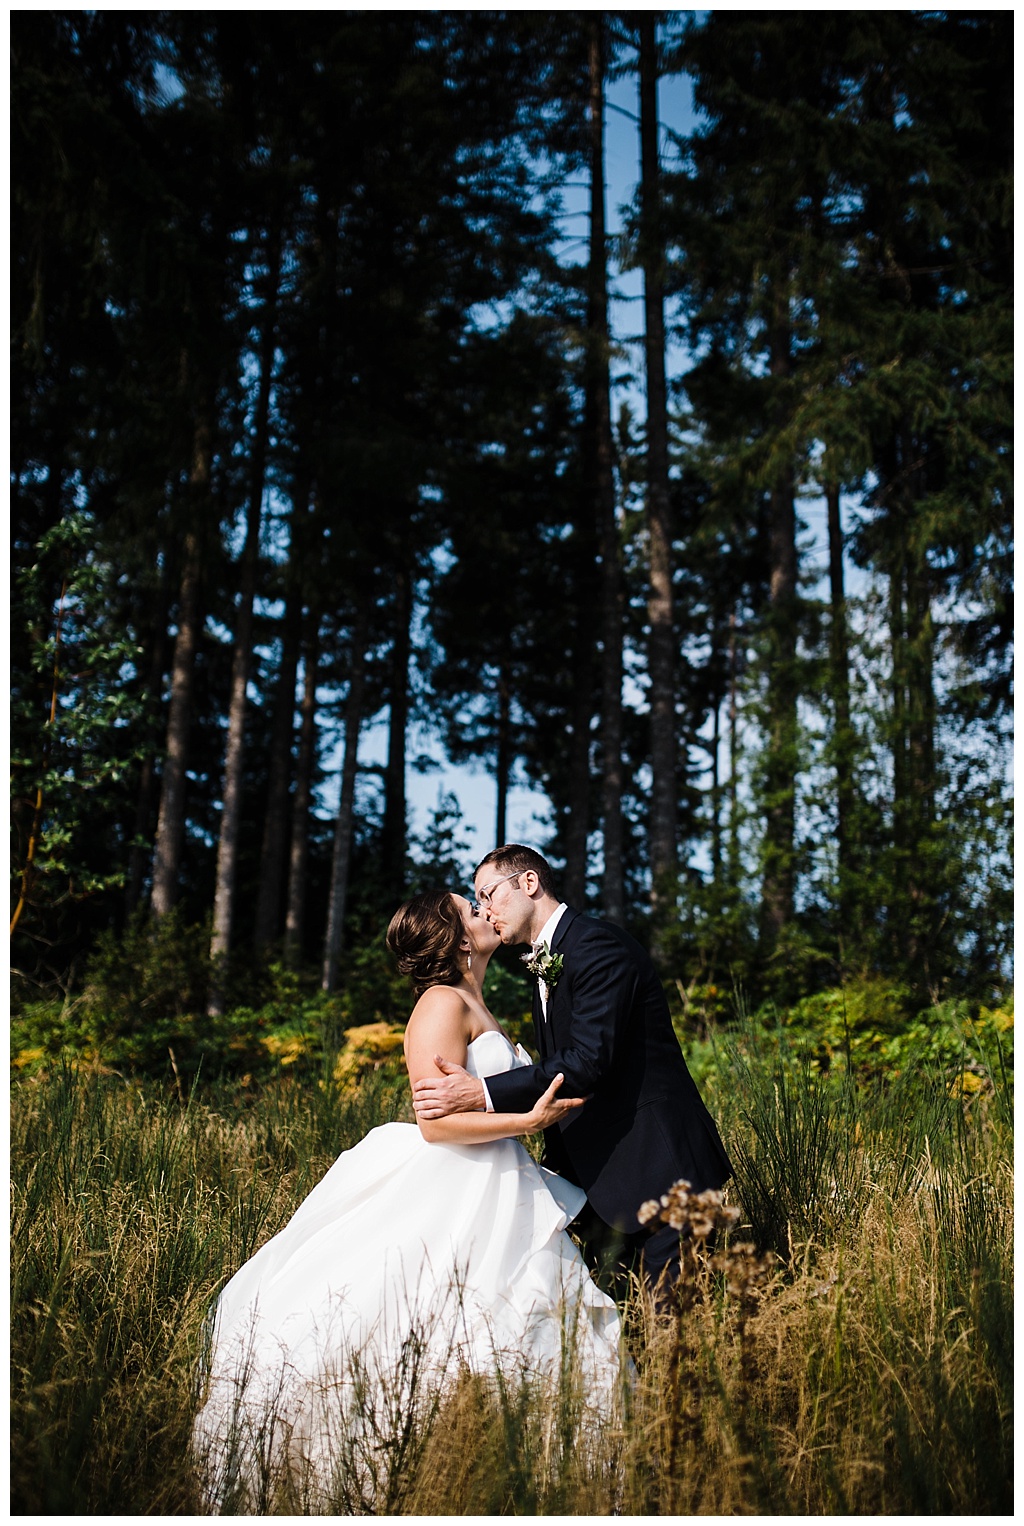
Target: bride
point(426, 1252)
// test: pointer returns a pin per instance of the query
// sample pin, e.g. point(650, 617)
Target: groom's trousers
point(613, 1255)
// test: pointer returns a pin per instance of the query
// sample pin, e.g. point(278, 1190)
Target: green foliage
point(157, 967)
point(713, 938)
point(852, 310)
point(143, 1008)
point(370, 985)
point(508, 992)
point(75, 733)
point(872, 1028)
point(823, 1089)
point(41, 1032)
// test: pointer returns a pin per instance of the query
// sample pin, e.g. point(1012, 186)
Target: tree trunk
point(780, 760)
point(395, 812)
point(585, 595)
point(902, 934)
point(839, 662)
point(275, 822)
point(504, 758)
point(661, 652)
point(716, 787)
point(139, 853)
point(734, 757)
point(898, 646)
point(342, 853)
point(231, 813)
point(913, 905)
point(924, 891)
point(921, 692)
point(577, 825)
point(599, 407)
point(170, 831)
point(298, 861)
point(780, 768)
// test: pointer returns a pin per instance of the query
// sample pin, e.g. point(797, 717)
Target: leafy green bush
point(143, 992)
point(41, 1031)
point(142, 1009)
point(872, 1028)
point(144, 986)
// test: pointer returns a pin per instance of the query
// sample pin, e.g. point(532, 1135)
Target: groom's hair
point(514, 858)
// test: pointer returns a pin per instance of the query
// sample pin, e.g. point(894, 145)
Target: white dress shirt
point(547, 933)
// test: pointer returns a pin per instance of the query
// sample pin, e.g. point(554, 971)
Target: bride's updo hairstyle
point(424, 936)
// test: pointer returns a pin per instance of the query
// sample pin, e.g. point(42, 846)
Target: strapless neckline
point(493, 1052)
point(496, 1033)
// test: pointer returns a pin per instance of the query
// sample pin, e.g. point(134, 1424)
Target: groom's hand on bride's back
point(453, 1091)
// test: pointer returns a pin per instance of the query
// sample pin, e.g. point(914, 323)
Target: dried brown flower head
point(700, 1216)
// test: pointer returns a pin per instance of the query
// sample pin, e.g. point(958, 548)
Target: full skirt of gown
point(406, 1266)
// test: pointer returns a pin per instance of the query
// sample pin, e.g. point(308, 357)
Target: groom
point(602, 1020)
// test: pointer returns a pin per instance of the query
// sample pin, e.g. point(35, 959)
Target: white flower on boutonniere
point(544, 964)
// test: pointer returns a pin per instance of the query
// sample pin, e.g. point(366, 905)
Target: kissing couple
point(445, 1236)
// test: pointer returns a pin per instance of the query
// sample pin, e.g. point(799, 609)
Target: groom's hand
point(455, 1091)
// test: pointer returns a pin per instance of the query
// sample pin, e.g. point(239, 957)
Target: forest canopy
point(318, 424)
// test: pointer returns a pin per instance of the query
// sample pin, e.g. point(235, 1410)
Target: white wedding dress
point(408, 1264)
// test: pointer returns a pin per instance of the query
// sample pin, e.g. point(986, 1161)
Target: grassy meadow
point(866, 1369)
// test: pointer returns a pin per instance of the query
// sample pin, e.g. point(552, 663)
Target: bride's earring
point(469, 963)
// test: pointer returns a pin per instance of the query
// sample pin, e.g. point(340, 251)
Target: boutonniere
point(544, 964)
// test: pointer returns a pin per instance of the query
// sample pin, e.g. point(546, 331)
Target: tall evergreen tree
point(410, 418)
point(242, 655)
point(599, 463)
point(661, 651)
point(756, 246)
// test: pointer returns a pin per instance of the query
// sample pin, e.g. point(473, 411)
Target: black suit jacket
point(608, 1029)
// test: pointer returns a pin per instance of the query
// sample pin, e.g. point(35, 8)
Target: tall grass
point(872, 1375)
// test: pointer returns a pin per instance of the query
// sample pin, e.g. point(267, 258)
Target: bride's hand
point(549, 1109)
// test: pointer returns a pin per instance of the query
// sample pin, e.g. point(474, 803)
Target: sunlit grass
point(870, 1373)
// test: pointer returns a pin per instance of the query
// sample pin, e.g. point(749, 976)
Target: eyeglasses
point(483, 897)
